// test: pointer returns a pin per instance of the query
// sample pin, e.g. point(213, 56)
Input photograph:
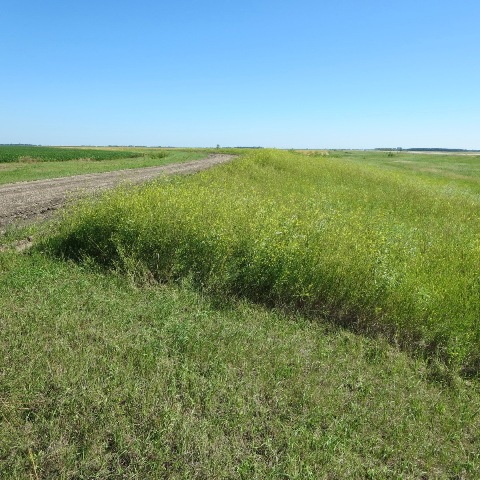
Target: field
point(20, 164)
point(32, 154)
point(287, 315)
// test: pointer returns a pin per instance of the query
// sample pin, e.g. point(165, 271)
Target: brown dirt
point(25, 201)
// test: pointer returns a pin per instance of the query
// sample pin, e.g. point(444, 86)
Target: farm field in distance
point(285, 315)
point(20, 164)
point(33, 154)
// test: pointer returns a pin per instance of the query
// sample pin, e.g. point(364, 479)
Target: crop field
point(299, 315)
point(30, 154)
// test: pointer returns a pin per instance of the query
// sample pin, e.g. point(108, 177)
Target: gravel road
point(24, 201)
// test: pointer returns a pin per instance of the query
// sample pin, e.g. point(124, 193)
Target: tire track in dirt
point(25, 201)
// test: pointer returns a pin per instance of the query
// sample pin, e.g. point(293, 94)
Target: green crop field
point(32, 154)
point(285, 315)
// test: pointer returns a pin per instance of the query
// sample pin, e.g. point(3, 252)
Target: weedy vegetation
point(282, 316)
point(367, 247)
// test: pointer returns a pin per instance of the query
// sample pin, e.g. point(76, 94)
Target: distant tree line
point(18, 145)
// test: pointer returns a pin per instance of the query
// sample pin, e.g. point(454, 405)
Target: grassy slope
point(102, 379)
point(358, 240)
point(21, 172)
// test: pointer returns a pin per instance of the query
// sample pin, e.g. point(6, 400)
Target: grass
point(26, 171)
point(365, 242)
point(101, 378)
point(105, 372)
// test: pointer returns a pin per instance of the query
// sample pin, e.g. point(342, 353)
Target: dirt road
point(24, 201)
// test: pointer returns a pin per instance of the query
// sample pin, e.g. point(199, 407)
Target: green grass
point(368, 245)
point(456, 167)
point(25, 171)
point(109, 373)
point(104, 379)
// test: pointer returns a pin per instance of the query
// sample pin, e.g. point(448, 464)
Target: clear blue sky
point(311, 74)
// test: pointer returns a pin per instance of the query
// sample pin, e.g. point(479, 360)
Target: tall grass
point(370, 248)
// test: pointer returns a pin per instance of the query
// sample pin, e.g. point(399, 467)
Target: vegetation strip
point(373, 248)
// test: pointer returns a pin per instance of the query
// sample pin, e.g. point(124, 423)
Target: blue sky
point(291, 74)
